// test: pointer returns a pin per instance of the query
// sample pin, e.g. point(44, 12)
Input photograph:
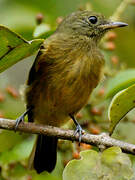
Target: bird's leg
point(79, 129)
point(21, 118)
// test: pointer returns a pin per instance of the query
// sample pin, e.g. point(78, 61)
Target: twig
point(95, 140)
point(121, 8)
point(116, 16)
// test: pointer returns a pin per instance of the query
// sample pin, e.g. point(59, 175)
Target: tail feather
point(44, 154)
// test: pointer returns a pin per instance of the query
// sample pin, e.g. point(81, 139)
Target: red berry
point(115, 60)
point(2, 97)
point(110, 46)
point(101, 92)
point(76, 155)
point(111, 36)
point(94, 129)
point(96, 111)
point(2, 115)
point(85, 146)
point(39, 18)
point(79, 115)
point(12, 91)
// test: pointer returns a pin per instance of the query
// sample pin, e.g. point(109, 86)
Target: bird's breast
point(65, 86)
point(71, 87)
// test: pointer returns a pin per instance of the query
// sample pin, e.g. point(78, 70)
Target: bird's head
point(87, 23)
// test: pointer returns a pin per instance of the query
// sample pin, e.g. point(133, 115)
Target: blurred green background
point(20, 17)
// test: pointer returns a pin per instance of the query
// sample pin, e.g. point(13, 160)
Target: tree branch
point(121, 8)
point(96, 140)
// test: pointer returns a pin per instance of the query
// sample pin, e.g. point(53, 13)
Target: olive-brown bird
point(67, 68)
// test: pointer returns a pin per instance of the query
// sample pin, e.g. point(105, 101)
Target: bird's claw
point(18, 121)
point(79, 131)
point(21, 118)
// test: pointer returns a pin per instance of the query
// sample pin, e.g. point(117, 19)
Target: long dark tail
point(44, 154)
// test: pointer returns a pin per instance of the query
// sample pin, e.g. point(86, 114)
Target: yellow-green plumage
point(67, 75)
point(68, 67)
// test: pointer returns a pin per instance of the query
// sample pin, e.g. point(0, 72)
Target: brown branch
point(96, 140)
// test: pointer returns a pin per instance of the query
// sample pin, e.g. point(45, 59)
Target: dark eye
point(93, 19)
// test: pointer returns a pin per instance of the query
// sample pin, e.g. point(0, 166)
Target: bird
point(68, 66)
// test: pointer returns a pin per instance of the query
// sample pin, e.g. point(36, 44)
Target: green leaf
point(121, 132)
point(121, 81)
point(116, 165)
point(13, 139)
point(15, 172)
point(14, 48)
point(20, 152)
point(121, 104)
point(82, 169)
point(112, 164)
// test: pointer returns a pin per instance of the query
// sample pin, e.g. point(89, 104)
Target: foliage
point(14, 48)
point(118, 109)
point(121, 81)
point(112, 164)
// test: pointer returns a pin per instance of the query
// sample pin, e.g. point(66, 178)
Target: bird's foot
point(79, 131)
point(21, 119)
point(18, 121)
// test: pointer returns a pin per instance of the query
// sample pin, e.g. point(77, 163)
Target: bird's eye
point(93, 19)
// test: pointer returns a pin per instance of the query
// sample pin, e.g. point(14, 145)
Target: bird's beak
point(112, 25)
